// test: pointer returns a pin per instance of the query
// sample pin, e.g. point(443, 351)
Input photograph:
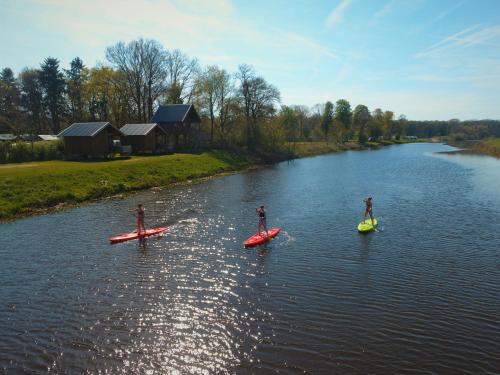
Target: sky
point(426, 59)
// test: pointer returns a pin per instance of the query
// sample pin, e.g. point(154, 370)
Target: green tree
point(360, 120)
point(376, 125)
point(387, 124)
point(76, 77)
point(327, 120)
point(32, 99)
point(343, 115)
point(54, 87)
point(399, 126)
point(290, 122)
point(107, 97)
point(207, 93)
point(10, 100)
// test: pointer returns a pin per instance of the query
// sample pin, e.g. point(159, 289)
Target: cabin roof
point(139, 129)
point(7, 137)
point(28, 137)
point(174, 113)
point(85, 129)
point(48, 137)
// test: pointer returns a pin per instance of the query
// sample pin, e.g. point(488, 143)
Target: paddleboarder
point(368, 210)
point(139, 213)
point(262, 219)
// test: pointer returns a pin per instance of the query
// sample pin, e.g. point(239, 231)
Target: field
point(29, 187)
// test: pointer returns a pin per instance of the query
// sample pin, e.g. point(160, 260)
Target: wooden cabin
point(179, 121)
point(90, 140)
point(144, 138)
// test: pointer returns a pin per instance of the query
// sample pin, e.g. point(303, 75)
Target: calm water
point(420, 297)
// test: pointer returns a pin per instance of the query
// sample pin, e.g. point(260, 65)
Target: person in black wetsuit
point(262, 219)
point(368, 210)
point(139, 213)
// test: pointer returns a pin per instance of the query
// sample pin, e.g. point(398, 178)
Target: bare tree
point(206, 90)
point(155, 72)
point(144, 64)
point(301, 111)
point(226, 103)
point(215, 90)
point(258, 99)
point(181, 77)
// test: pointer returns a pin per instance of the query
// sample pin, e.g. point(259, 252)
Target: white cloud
point(472, 36)
point(211, 31)
point(386, 9)
point(307, 43)
point(336, 14)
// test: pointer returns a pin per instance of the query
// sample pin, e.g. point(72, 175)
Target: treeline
point(239, 109)
point(459, 130)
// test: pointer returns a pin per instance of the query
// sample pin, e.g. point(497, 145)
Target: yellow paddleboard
point(367, 226)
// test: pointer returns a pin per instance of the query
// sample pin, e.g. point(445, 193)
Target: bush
point(18, 152)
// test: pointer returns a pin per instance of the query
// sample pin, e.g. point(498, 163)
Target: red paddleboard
point(258, 239)
point(135, 235)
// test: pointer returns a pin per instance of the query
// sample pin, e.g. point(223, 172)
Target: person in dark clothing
point(368, 210)
point(262, 219)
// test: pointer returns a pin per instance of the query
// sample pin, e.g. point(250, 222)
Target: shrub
point(25, 151)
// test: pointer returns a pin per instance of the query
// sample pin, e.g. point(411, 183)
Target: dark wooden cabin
point(144, 138)
point(90, 140)
point(179, 121)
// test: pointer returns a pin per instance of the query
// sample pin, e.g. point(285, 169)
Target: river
point(421, 296)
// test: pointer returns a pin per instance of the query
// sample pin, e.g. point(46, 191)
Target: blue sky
point(427, 59)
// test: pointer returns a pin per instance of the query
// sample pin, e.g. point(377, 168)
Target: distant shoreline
point(490, 147)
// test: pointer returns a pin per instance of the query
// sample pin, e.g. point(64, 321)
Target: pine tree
point(54, 87)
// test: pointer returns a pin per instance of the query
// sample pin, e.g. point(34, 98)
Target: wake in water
point(288, 238)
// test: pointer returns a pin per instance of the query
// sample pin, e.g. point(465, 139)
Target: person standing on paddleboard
point(262, 219)
point(139, 212)
point(368, 210)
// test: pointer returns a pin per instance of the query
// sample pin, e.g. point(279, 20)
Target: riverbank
point(489, 146)
point(36, 187)
point(40, 187)
point(304, 149)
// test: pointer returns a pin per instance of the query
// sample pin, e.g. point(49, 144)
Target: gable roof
point(174, 113)
point(7, 137)
point(29, 137)
point(85, 129)
point(48, 137)
point(139, 129)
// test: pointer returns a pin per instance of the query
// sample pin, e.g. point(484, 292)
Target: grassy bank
point(489, 146)
point(26, 188)
point(303, 149)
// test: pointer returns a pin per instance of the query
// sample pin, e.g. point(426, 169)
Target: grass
point(29, 187)
point(490, 146)
point(303, 149)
